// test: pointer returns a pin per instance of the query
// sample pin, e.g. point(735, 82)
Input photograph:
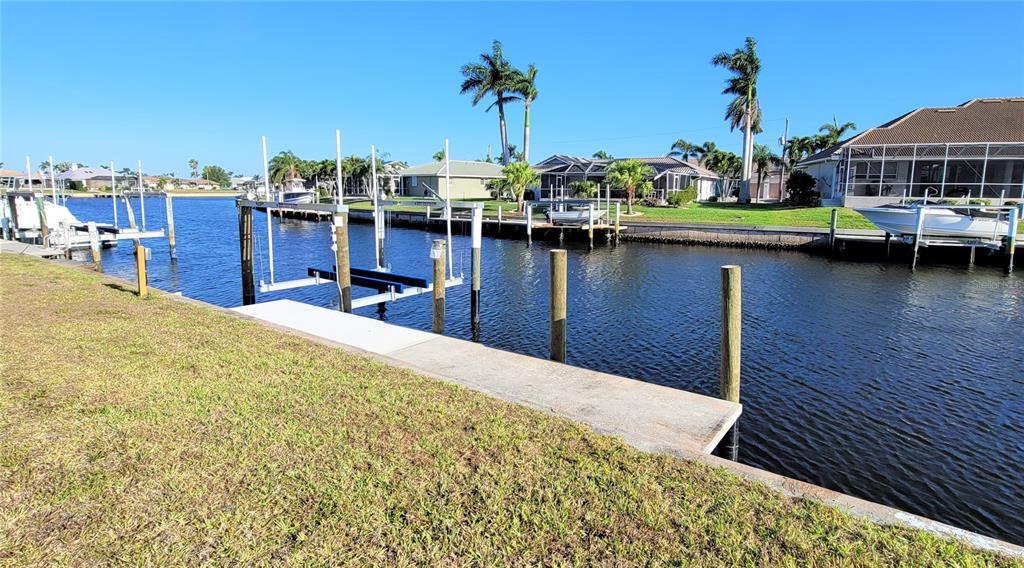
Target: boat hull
point(938, 222)
point(572, 217)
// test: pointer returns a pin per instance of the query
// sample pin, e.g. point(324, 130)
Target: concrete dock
point(649, 417)
point(15, 247)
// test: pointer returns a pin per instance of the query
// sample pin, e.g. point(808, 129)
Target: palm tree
point(490, 77)
point(193, 165)
point(764, 158)
point(439, 156)
point(524, 85)
point(285, 165)
point(705, 151)
point(629, 174)
point(683, 149)
point(744, 109)
point(602, 155)
point(519, 176)
point(833, 132)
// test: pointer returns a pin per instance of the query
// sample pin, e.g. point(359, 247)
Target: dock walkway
point(15, 247)
point(649, 417)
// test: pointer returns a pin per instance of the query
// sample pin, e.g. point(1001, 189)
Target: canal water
point(898, 387)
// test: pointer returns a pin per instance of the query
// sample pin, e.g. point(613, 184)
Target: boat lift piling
point(44, 230)
point(170, 226)
point(437, 254)
point(342, 261)
point(94, 246)
point(558, 300)
point(474, 295)
point(1011, 238)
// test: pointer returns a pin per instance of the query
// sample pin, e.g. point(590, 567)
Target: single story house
point(468, 179)
point(91, 178)
point(15, 179)
point(974, 150)
point(669, 175)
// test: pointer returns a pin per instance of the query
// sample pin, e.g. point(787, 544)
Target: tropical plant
point(833, 132)
point(800, 186)
point(491, 77)
point(62, 167)
point(683, 149)
point(682, 197)
point(724, 163)
point(524, 85)
point(193, 166)
point(286, 165)
point(765, 159)
point(519, 176)
point(602, 155)
point(744, 110)
point(439, 156)
point(217, 175)
point(705, 150)
point(629, 175)
point(584, 189)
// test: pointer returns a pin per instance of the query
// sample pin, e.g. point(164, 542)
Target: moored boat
point(938, 221)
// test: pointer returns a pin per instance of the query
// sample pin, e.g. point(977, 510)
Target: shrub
point(800, 186)
point(684, 197)
point(77, 186)
point(583, 189)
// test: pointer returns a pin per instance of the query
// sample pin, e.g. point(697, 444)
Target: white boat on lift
point(295, 192)
point(974, 223)
point(572, 215)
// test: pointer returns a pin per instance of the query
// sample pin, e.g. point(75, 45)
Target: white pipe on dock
point(337, 166)
point(448, 207)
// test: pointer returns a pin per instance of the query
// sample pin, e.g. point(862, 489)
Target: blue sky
point(168, 82)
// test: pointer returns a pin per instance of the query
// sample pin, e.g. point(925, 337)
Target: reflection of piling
point(729, 372)
point(590, 225)
point(499, 220)
point(341, 260)
point(437, 255)
point(140, 270)
point(94, 246)
point(170, 226)
point(618, 211)
point(245, 251)
point(558, 296)
point(474, 295)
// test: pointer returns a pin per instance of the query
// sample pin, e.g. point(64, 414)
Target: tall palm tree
point(490, 77)
point(284, 166)
point(193, 165)
point(683, 149)
point(744, 109)
point(833, 131)
point(602, 155)
point(524, 85)
point(765, 159)
point(629, 174)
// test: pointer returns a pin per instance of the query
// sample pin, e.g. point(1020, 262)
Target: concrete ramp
point(649, 417)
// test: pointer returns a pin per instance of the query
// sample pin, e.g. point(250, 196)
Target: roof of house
point(560, 163)
point(973, 122)
point(82, 174)
point(459, 168)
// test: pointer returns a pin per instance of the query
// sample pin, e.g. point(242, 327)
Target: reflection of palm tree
point(745, 108)
point(490, 77)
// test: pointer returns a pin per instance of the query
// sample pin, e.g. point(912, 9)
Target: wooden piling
point(1011, 238)
point(833, 222)
point(170, 226)
point(12, 207)
point(437, 254)
point(245, 251)
point(142, 286)
point(94, 246)
point(618, 211)
point(918, 233)
point(476, 231)
point(558, 298)
point(529, 224)
point(343, 268)
point(729, 373)
point(44, 230)
point(590, 225)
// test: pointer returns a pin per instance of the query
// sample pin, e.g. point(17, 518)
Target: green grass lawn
point(711, 214)
point(158, 432)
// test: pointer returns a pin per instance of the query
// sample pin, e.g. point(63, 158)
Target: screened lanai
point(991, 171)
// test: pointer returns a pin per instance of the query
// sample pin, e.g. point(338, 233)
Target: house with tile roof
point(670, 174)
point(468, 179)
point(971, 151)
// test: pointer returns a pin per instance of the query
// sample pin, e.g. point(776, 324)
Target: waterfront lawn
point(157, 431)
